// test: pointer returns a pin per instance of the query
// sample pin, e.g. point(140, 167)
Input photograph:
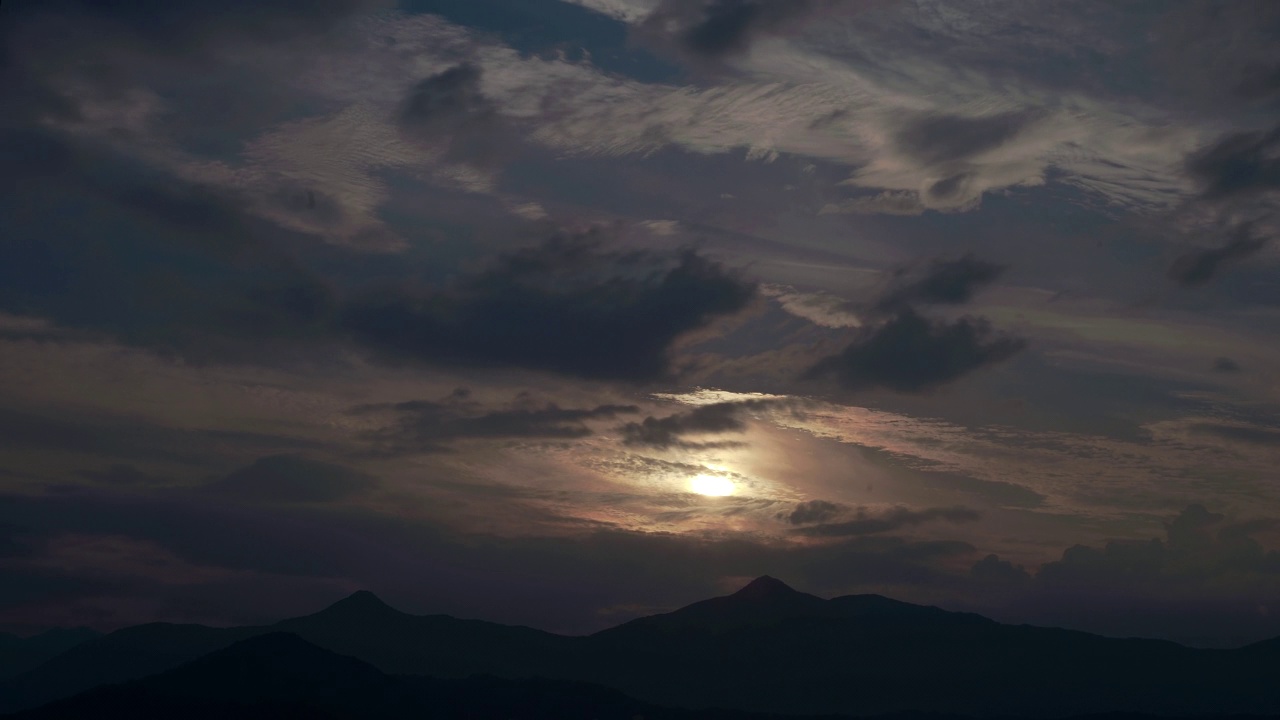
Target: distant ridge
point(765, 648)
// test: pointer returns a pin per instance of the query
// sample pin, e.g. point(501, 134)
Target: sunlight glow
point(712, 485)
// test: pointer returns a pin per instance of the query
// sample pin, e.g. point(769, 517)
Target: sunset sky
point(561, 312)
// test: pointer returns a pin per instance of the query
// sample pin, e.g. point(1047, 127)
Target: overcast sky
point(562, 312)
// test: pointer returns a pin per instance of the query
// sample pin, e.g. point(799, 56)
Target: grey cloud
point(942, 139)
point(944, 282)
point(715, 29)
point(121, 474)
point(910, 353)
point(670, 431)
point(1200, 266)
point(1238, 164)
point(813, 511)
point(568, 306)
point(291, 478)
point(451, 108)
point(216, 282)
point(46, 44)
point(445, 101)
point(184, 26)
point(1207, 580)
point(1226, 365)
point(889, 202)
point(1259, 82)
point(865, 522)
point(1240, 433)
point(421, 425)
point(130, 438)
point(992, 570)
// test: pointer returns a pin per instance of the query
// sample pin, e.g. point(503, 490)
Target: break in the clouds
point(704, 269)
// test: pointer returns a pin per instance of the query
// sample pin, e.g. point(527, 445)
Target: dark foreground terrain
point(765, 649)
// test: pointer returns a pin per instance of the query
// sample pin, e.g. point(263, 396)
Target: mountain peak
point(766, 587)
point(361, 602)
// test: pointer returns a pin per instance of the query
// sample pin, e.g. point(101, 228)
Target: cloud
point(1200, 266)
point(446, 101)
point(420, 425)
point(1238, 164)
point(942, 139)
point(121, 474)
point(1207, 578)
point(291, 479)
point(670, 431)
point(451, 108)
point(867, 522)
point(910, 353)
point(716, 29)
point(819, 308)
point(890, 202)
point(1226, 365)
point(568, 306)
point(813, 511)
point(944, 282)
point(1240, 433)
point(216, 282)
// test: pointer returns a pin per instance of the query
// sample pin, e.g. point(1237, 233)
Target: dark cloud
point(568, 306)
point(813, 511)
point(121, 474)
point(182, 27)
point(1208, 580)
point(450, 108)
point(105, 49)
point(104, 242)
point(716, 29)
point(911, 353)
point(671, 431)
point(1200, 266)
point(991, 570)
point(127, 437)
point(1226, 365)
point(1259, 82)
point(1240, 433)
point(941, 139)
point(445, 101)
point(865, 522)
point(1238, 164)
point(943, 282)
point(422, 425)
point(291, 478)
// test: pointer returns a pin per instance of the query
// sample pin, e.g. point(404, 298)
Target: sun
point(712, 485)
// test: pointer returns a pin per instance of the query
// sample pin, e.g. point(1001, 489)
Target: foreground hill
point(281, 675)
point(766, 648)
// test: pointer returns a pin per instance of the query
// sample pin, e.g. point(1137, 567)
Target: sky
point(563, 312)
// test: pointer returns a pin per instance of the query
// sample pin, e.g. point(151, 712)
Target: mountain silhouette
point(280, 675)
point(765, 648)
point(19, 654)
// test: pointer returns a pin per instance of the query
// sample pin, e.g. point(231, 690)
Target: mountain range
point(764, 649)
